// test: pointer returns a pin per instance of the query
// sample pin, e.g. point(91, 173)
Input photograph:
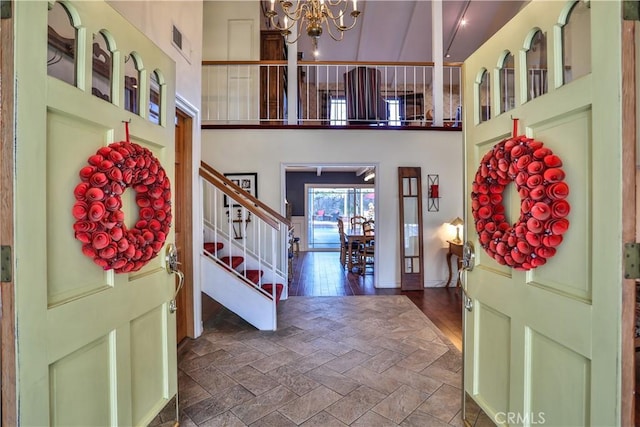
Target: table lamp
point(457, 223)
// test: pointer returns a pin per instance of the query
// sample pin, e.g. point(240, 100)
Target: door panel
point(95, 347)
point(542, 346)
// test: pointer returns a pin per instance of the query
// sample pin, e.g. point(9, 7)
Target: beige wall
point(155, 19)
point(232, 30)
point(266, 151)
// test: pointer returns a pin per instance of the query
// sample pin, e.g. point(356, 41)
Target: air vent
point(177, 37)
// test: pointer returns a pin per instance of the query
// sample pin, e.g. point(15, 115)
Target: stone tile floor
point(334, 361)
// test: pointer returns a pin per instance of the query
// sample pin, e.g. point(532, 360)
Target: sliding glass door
point(326, 203)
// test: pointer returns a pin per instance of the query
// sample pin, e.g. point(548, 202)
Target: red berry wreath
point(99, 219)
point(540, 182)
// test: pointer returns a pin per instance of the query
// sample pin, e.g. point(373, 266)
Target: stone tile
point(185, 421)
point(304, 348)
point(318, 358)
point(452, 378)
point(358, 342)
point(444, 404)
point(348, 361)
point(450, 361)
point(274, 361)
point(396, 345)
point(274, 419)
point(216, 405)
point(333, 347)
point(211, 379)
point(417, 381)
point(457, 420)
point(419, 419)
point(308, 405)
point(420, 359)
point(355, 404)
point(332, 379)
point(190, 392)
point(253, 409)
point(264, 345)
point(383, 383)
point(253, 380)
point(371, 419)
point(293, 379)
point(200, 362)
point(384, 360)
point(323, 420)
point(400, 404)
point(226, 419)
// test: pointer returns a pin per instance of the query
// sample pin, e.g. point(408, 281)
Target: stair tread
point(253, 275)
point(213, 247)
point(269, 288)
point(233, 261)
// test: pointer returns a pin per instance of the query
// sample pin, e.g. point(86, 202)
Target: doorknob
point(468, 262)
point(171, 264)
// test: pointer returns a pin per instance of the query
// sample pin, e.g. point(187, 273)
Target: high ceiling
point(400, 30)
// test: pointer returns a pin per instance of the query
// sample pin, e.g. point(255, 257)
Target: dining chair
point(356, 222)
point(347, 250)
point(366, 254)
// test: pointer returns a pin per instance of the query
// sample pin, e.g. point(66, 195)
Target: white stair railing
point(236, 224)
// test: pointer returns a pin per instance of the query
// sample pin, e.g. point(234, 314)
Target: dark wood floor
point(320, 274)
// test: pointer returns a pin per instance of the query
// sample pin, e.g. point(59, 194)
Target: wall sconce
point(457, 223)
point(433, 204)
point(237, 223)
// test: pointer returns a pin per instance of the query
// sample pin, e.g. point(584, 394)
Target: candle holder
point(433, 183)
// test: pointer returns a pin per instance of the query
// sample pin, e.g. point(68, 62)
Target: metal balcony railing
point(328, 94)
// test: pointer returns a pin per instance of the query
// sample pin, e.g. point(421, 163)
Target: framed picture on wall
point(247, 181)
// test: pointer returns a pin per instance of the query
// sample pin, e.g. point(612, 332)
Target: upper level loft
point(329, 94)
point(278, 92)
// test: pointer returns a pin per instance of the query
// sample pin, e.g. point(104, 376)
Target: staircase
point(244, 256)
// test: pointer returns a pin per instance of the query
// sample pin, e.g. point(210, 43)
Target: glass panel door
point(325, 204)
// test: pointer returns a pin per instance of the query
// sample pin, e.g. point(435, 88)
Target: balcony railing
point(329, 94)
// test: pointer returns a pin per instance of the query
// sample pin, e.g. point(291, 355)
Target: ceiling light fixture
point(314, 14)
point(370, 176)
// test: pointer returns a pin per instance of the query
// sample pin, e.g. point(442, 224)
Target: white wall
point(155, 19)
point(265, 151)
point(232, 31)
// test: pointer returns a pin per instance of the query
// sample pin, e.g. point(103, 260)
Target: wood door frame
point(629, 219)
point(184, 198)
point(7, 314)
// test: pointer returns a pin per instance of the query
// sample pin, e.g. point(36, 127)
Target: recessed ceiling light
point(448, 55)
point(463, 22)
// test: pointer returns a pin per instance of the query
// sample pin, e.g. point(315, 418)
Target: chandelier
point(315, 14)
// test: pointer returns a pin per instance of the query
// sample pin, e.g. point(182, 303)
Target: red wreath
point(540, 182)
point(99, 219)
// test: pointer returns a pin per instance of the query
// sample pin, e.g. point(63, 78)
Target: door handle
point(468, 262)
point(171, 264)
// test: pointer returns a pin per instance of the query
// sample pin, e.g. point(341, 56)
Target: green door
point(94, 347)
point(542, 346)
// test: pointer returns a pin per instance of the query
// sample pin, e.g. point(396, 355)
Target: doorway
point(327, 203)
point(184, 223)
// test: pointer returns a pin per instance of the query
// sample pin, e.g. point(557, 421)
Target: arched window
point(537, 73)
point(155, 97)
point(484, 97)
point(132, 67)
point(576, 42)
point(101, 81)
point(61, 44)
point(507, 83)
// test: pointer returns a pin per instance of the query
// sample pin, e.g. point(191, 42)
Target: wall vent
point(177, 37)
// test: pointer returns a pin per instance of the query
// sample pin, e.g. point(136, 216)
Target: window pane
point(507, 84)
point(131, 83)
point(61, 45)
point(154, 98)
point(537, 66)
point(576, 43)
point(101, 80)
point(338, 112)
point(485, 98)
